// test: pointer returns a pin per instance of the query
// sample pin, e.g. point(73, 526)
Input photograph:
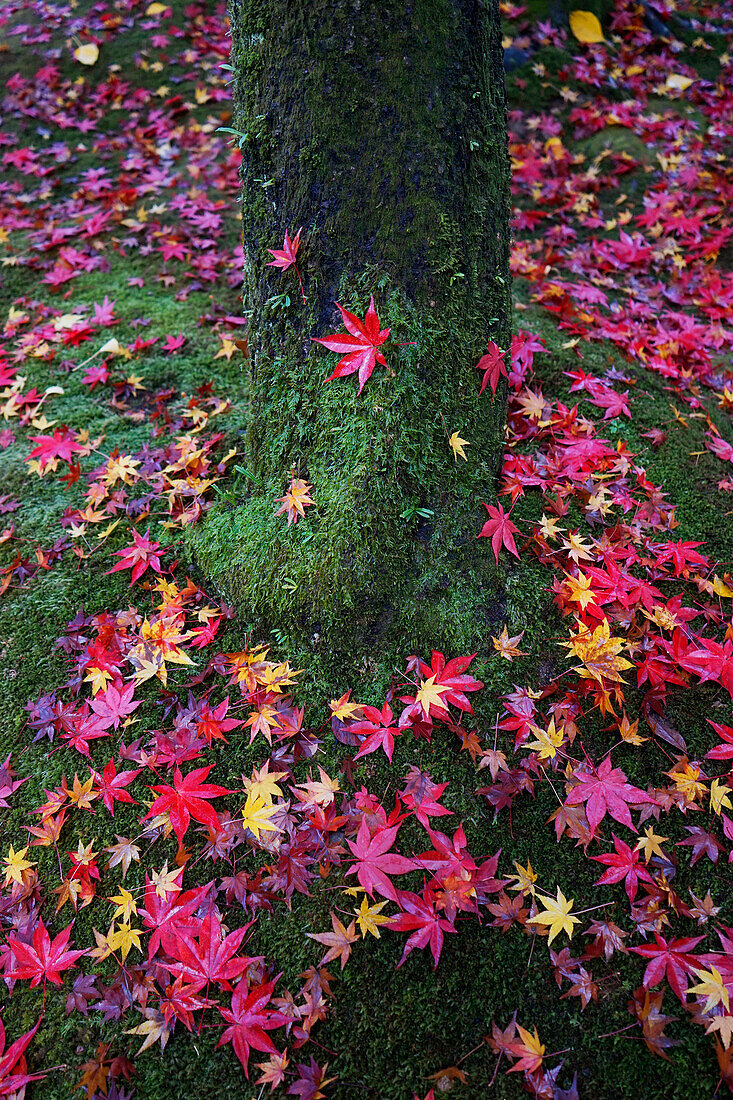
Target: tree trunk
point(380, 128)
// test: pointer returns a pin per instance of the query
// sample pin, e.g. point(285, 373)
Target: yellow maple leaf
point(524, 879)
point(578, 590)
point(99, 679)
point(598, 652)
point(711, 987)
point(429, 695)
point(263, 784)
point(719, 800)
point(369, 917)
point(124, 939)
point(556, 915)
point(457, 444)
point(651, 844)
point(585, 27)
point(548, 741)
point(125, 903)
point(257, 813)
point(687, 781)
point(675, 82)
point(342, 708)
point(15, 864)
point(87, 54)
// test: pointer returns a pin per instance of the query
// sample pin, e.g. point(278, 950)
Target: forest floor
point(572, 922)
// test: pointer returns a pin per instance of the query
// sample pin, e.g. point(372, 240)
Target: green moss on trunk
point(383, 134)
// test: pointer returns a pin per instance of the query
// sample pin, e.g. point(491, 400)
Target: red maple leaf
point(210, 957)
point(623, 864)
point(493, 366)
point(421, 796)
point(359, 349)
point(173, 343)
point(12, 1059)
point(605, 790)
point(143, 554)
point(187, 799)
point(111, 785)
point(250, 1020)
point(170, 917)
point(500, 529)
point(374, 861)
point(213, 723)
point(43, 958)
point(419, 917)
point(449, 675)
point(723, 751)
point(288, 254)
point(670, 958)
point(379, 731)
point(62, 444)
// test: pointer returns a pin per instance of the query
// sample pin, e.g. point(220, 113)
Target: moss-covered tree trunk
point(380, 128)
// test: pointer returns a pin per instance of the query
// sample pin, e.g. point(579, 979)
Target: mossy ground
point(391, 1029)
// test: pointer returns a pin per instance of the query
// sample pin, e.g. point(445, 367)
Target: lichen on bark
point(381, 130)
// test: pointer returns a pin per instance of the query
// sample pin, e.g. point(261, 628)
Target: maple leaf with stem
point(249, 1021)
point(418, 916)
point(13, 1076)
point(605, 790)
point(287, 256)
point(186, 799)
point(296, 500)
point(43, 958)
point(143, 554)
point(670, 958)
point(374, 861)
point(457, 444)
point(493, 366)
point(500, 529)
point(528, 1049)
point(369, 917)
point(556, 915)
point(338, 942)
point(623, 864)
point(359, 347)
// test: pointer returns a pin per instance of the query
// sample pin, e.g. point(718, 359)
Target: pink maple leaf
point(500, 529)
point(375, 861)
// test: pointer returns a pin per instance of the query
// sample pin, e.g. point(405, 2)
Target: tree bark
point(380, 128)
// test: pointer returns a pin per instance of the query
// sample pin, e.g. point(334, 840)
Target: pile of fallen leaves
point(152, 705)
